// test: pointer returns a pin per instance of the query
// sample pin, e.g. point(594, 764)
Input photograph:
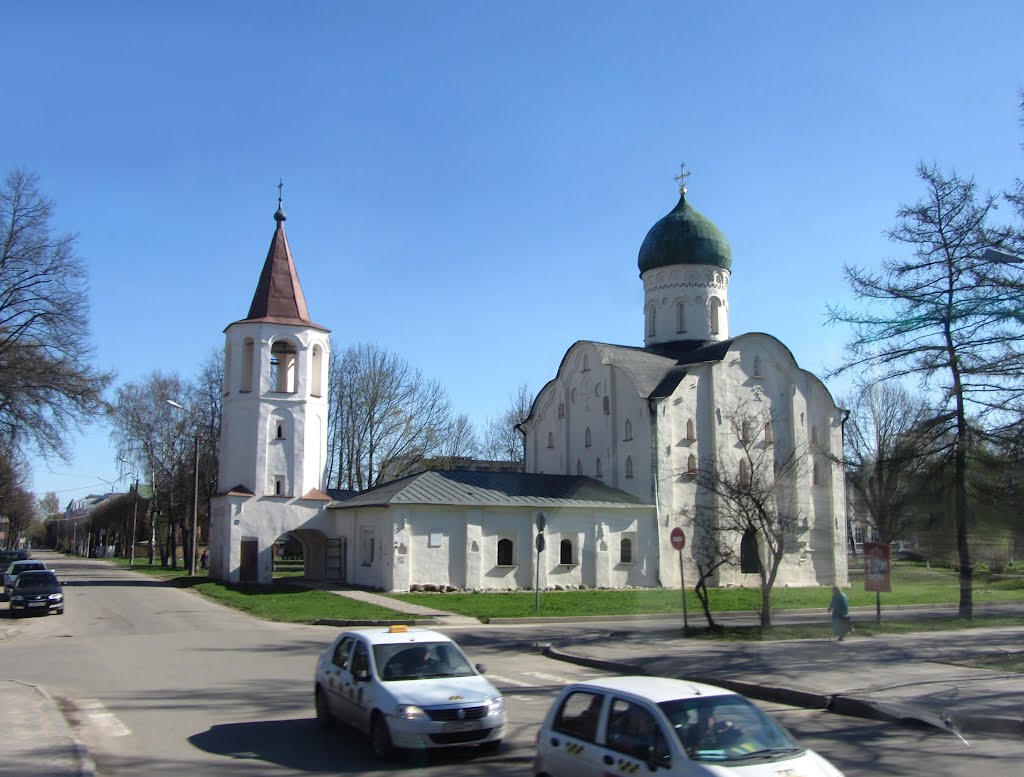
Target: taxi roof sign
point(398, 628)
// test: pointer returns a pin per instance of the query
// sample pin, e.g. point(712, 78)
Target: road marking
point(550, 677)
point(102, 718)
point(509, 680)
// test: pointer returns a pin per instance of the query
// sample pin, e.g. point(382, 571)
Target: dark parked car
point(37, 591)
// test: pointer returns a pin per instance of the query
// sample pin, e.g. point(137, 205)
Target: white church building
point(612, 446)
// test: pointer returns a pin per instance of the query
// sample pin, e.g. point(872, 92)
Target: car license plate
point(37, 604)
point(462, 725)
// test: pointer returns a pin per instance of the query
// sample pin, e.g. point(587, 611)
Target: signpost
point(539, 544)
point(877, 572)
point(678, 540)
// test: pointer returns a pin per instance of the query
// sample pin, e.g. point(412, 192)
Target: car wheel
point(323, 711)
point(380, 738)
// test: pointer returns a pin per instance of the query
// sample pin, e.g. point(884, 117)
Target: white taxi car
point(407, 688)
point(640, 725)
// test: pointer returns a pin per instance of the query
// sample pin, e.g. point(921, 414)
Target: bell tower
point(274, 420)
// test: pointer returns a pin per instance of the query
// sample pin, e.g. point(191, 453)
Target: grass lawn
point(912, 584)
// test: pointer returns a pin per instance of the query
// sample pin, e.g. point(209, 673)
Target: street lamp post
point(135, 514)
point(195, 498)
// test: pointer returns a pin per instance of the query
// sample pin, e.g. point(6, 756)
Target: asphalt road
point(158, 681)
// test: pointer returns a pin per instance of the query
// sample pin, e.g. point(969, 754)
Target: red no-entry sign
point(678, 538)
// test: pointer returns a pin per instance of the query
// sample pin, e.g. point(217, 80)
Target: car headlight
point(56, 597)
point(495, 705)
point(17, 598)
point(410, 712)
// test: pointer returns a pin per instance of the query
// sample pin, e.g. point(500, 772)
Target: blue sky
point(468, 183)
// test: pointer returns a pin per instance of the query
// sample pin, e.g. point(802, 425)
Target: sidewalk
point(898, 677)
point(37, 741)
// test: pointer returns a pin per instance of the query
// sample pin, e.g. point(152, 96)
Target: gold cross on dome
point(681, 178)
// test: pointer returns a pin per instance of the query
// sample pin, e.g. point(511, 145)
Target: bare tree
point(748, 491)
point(502, 439)
point(17, 505)
point(50, 384)
point(950, 317)
point(711, 549)
point(458, 443)
point(887, 447)
point(384, 418)
point(147, 431)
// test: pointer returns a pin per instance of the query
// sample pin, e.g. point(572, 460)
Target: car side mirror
point(481, 669)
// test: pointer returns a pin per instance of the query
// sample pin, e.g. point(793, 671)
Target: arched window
point(714, 306)
point(586, 363)
point(600, 474)
point(816, 478)
point(280, 430)
point(629, 430)
point(227, 370)
point(680, 316)
point(316, 381)
point(769, 436)
point(505, 554)
point(283, 364)
point(586, 437)
point(625, 551)
point(814, 435)
point(757, 366)
point(579, 468)
point(651, 323)
point(565, 552)
point(691, 464)
point(248, 352)
point(750, 562)
point(551, 439)
point(744, 481)
point(690, 433)
point(745, 430)
point(629, 467)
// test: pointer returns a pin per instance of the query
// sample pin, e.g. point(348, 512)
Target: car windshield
point(37, 584)
point(420, 660)
point(727, 728)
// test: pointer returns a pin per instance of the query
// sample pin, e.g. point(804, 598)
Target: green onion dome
point(684, 236)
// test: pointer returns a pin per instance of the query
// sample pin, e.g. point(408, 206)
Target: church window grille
point(565, 552)
point(629, 467)
point(316, 387)
point(551, 439)
point(626, 551)
point(561, 410)
point(680, 317)
point(506, 552)
point(750, 561)
point(651, 323)
point(757, 366)
point(248, 352)
point(586, 437)
point(629, 430)
point(715, 316)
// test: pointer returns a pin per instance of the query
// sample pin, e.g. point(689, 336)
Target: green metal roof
point(684, 236)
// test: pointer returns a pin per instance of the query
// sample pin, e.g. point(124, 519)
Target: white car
point(641, 725)
point(15, 569)
point(407, 688)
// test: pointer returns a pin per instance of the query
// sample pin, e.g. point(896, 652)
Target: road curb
point(86, 764)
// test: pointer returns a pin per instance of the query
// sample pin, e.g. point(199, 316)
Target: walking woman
point(840, 609)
